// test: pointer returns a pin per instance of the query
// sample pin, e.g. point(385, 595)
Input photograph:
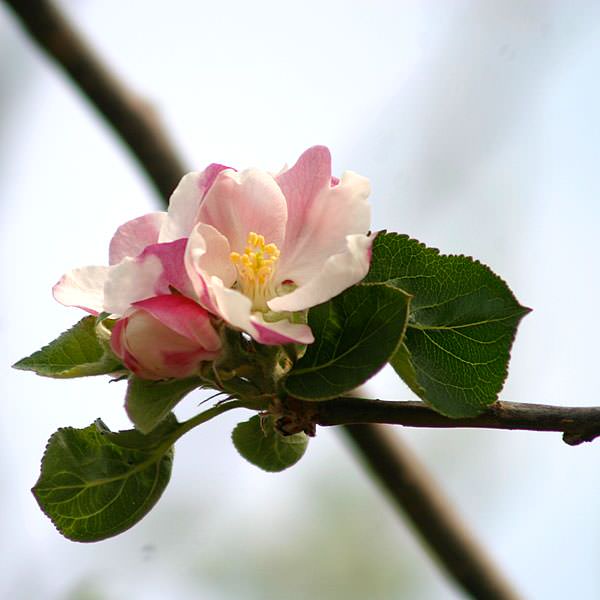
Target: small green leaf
point(258, 442)
point(461, 326)
point(356, 333)
point(75, 353)
point(92, 488)
point(149, 402)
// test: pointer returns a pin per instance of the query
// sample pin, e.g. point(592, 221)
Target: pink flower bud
point(165, 336)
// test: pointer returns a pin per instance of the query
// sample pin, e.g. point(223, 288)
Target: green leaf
point(461, 327)
point(402, 363)
point(92, 488)
point(133, 439)
point(75, 353)
point(356, 333)
point(258, 442)
point(149, 402)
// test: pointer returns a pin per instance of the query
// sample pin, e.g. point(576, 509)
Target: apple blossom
point(262, 247)
point(254, 249)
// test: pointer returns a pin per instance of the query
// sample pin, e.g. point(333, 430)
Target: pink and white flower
point(250, 247)
point(261, 246)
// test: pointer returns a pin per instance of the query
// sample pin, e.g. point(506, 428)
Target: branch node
point(291, 416)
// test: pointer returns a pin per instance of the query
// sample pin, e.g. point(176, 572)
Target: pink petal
point(184, 316)
point(116, 337)
point(281, 332)
point(154, 272)
point(132, 237)
point(339, 272)
point(172, 258)
point(154, 351)
point(302, 184)
point(185, 201)
point(239, 203)
point(83, 288)
point(185, 363)
point(321, 218)
point(235, 309)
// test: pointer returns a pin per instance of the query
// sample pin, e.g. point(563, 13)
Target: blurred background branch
point(418, 497)
point(132, 118)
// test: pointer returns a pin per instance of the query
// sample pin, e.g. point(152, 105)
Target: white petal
point(83, 288)
point(130, 281)
point(208, 252)
point(235, 308)
point(232, 306)
point(339, 272)
point(281, 332)
point(185, 202)
point(183, 208)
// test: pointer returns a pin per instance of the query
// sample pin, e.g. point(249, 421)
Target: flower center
point(255, 269)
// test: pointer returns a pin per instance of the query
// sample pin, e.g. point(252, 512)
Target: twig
point(132, 118)
point(413, 491)
point(578, 424)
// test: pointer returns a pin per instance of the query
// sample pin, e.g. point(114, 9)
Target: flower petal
point(231, 305)
point(207, 254)
point(239, 203)
point(154, 272)
point(339, 272)
point(154, 351)
point(318, 225)
point(133, 279)
point(185, 202)
point(172, 258)
point(235, 308)
point(83, 288)
point(132, 237)
point(281, 332)
point(184, 316)
point(302, 184)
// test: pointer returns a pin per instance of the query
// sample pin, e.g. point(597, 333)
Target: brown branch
point(578, 424)
point(132, 120)
point(420, 499)
point(131, 117)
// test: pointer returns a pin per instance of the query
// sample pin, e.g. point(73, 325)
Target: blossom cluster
point(248, 250)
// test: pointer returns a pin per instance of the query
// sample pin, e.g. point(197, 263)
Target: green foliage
point(258, 442)
point(133, 439)
point(149, 402)
point(75, 353)
point(445, 323)
point(356, 334)
point(462, 323)
point(93, 488)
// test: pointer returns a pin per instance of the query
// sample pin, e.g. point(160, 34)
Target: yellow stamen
point(255, 269)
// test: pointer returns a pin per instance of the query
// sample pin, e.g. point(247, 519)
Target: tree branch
point(420, 499)
point(132, 118)
point(578, 424)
